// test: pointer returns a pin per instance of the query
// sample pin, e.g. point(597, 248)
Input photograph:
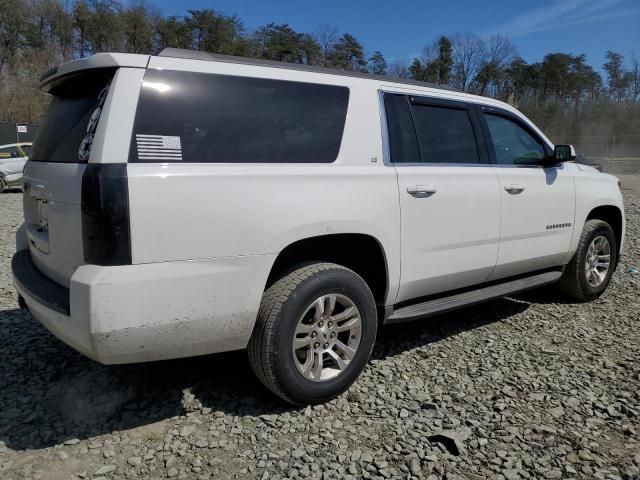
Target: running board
point(445, 304)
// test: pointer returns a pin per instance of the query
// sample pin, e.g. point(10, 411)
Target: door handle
point(514, 189)
point(421, 191)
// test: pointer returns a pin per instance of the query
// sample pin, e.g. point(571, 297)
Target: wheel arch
point(613, 216)
point(362, 253)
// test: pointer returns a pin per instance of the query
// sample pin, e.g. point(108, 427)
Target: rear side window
point(198, 117)
point(403, 144)
point(67, 130)
point(445, 134)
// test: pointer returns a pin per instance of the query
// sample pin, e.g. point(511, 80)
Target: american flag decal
point(161, 148)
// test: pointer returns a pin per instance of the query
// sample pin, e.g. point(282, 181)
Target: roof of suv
point(206, 56)
point(113, 60)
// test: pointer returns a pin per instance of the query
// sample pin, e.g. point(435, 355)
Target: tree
point(521, 79)
point(284, 44)
point(377, 63)
point(81, 22)
point(347, 54)
point(173, 32)
point(214, 32)
point(437, 61)
point(399, 68)
point(635, 79)
point(418, 70)
point(554, 78)
point(492, 69)
point(326, 36)
point(13, 23)
point(582, 79)
point(617, 81)
point(104, 27)
point(50, 28)
point(468, 55)
point(138, 31)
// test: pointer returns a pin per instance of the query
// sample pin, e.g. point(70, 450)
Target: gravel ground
point(525, 387)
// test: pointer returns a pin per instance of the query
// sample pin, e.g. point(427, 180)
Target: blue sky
point(401, 28)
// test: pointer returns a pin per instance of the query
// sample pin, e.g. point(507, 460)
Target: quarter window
point(198, 117)
point(512, 144)
point(445, 134)
point(402, 136)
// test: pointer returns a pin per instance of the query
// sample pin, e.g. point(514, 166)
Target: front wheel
point(588, 274)
point(3, 184)
point(314, 333)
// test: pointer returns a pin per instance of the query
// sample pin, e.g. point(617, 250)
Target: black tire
point(3, 184)
point(574, 279)
point(283, 303)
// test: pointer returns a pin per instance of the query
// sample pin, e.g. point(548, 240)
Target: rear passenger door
point(449, 195)
point(537, 199)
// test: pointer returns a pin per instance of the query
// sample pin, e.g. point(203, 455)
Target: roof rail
point(214, 57)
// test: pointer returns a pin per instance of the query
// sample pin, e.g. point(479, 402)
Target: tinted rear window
point(66, 132)
point(445, 134)
point(198, 117)
point(402, 135)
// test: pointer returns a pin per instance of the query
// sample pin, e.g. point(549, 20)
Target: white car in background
point(13, 158)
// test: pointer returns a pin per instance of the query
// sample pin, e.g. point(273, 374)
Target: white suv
point(185, 204)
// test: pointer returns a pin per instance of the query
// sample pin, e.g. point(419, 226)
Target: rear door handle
point(514, 189)
point(421, 191)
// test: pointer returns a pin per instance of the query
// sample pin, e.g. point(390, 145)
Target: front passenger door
point(537, 202)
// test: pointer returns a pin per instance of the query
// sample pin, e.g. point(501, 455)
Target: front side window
point(198, 117)
point(512, 144)
point(445, 134)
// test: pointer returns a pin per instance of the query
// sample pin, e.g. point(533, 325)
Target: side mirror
point(564, 153)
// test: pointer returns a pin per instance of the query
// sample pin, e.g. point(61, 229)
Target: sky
point(401, 28)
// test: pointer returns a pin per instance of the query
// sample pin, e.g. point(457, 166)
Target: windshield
point(26, 149)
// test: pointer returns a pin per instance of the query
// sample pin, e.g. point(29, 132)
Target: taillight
point(106, 236)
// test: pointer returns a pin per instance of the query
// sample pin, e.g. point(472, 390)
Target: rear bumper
point(138, 313)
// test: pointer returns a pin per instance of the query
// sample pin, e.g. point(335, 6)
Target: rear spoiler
point(100, 60)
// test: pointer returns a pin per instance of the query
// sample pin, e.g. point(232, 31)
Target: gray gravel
point(525, 387)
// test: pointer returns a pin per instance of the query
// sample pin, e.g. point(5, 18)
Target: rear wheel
point(588, 274)
point(314, 334)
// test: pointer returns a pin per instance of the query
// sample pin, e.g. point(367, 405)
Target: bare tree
point(468, 56)
point(399, 68)
point(500, 50)
point(326, 35)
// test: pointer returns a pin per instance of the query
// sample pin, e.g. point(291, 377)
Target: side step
point(445, 304)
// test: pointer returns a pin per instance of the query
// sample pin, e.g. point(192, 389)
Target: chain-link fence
point(16, 133)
